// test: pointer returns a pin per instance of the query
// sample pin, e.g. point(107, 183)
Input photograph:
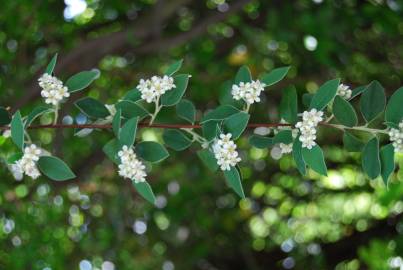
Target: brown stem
point(147, 125)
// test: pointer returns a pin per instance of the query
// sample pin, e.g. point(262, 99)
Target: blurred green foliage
point(343, 221)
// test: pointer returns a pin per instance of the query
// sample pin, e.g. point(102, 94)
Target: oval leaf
point(186, 110)
point(145, 190)
point(236, 124)
point(325, 94)
point(234, 181)
point(92, 107)
point(151, 151)
point(17, 130)
point(51, 65)
point(128, 132)
point(344, 112)
point(314, 159)
point(370, 158)
point(219, 113)
point(260, 142)
point(372, 101)
point(208, 159)
point(243, 75)
point(130, 109)
point(394, 111)
point(283, 136)
point(297, 156)
point(81, 80)
point(36, 112)
point(173, 96)
point(172, 69)
point(387, 157)
point(289, 105)
point(133, 95)
point(352, 143)
point(275, 75)
point(111, 150)
point(116, 123)
point(210, 130)
point(55, 168)
point(176, 140)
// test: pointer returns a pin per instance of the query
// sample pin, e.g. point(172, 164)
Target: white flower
point(249, 92)
point(307, 127)
point(225, 152)
point(396, 137)
point(130, 167)
point(53, 89)
point(285, 148)
point(344, 91)
point(27, 164)
point(152, 89)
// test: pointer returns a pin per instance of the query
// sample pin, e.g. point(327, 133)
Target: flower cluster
point(307, 127)
point(344, 91)
point(130, 167)
point(396, 137)
point(225, 152)
point(53, 89)
point(27, 164)
point(152, 89)
point(249, 92)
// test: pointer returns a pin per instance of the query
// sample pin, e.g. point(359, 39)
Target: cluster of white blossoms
point(344, 91)
point(396, 137)
point(249, 92)
point(53, 89)
point(307, 127)
point(152, 89)
point(27, 164)
point(130, 167)
point(225, 152)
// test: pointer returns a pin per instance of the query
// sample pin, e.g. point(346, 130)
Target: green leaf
point(92, 107)
point(116, 122)
point(352, 143)
point(260, 142)
point(133, 95)
point(14, 158)
point(172, 69)
point(5, 118)
point(344, 112)
point(394, 110)
point(186, 110)
point(173, 96)
point(289, 105)
point(356, 91)
point(17, 130)
point(314, 159)
point(370, 158)
point(208, 159)
point(307, 99)
point(325, 94)
point(283, 136)
point(234, 181)
point(275, 76)
point(243, 75)
point(176, 139)
point(372, 101)
point(297, 155)
point(51, 65)
point(210, 130)
point(128, 132)
point(151, 151)
point(130, 109)
point(81, 80)
point(145, 190)
point(236, 124)
point(219, 113)
point(36, 112)
point(387, 157)
point(111, 150)
point(55, 168)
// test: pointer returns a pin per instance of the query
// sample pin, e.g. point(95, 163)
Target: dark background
point(344, 221)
